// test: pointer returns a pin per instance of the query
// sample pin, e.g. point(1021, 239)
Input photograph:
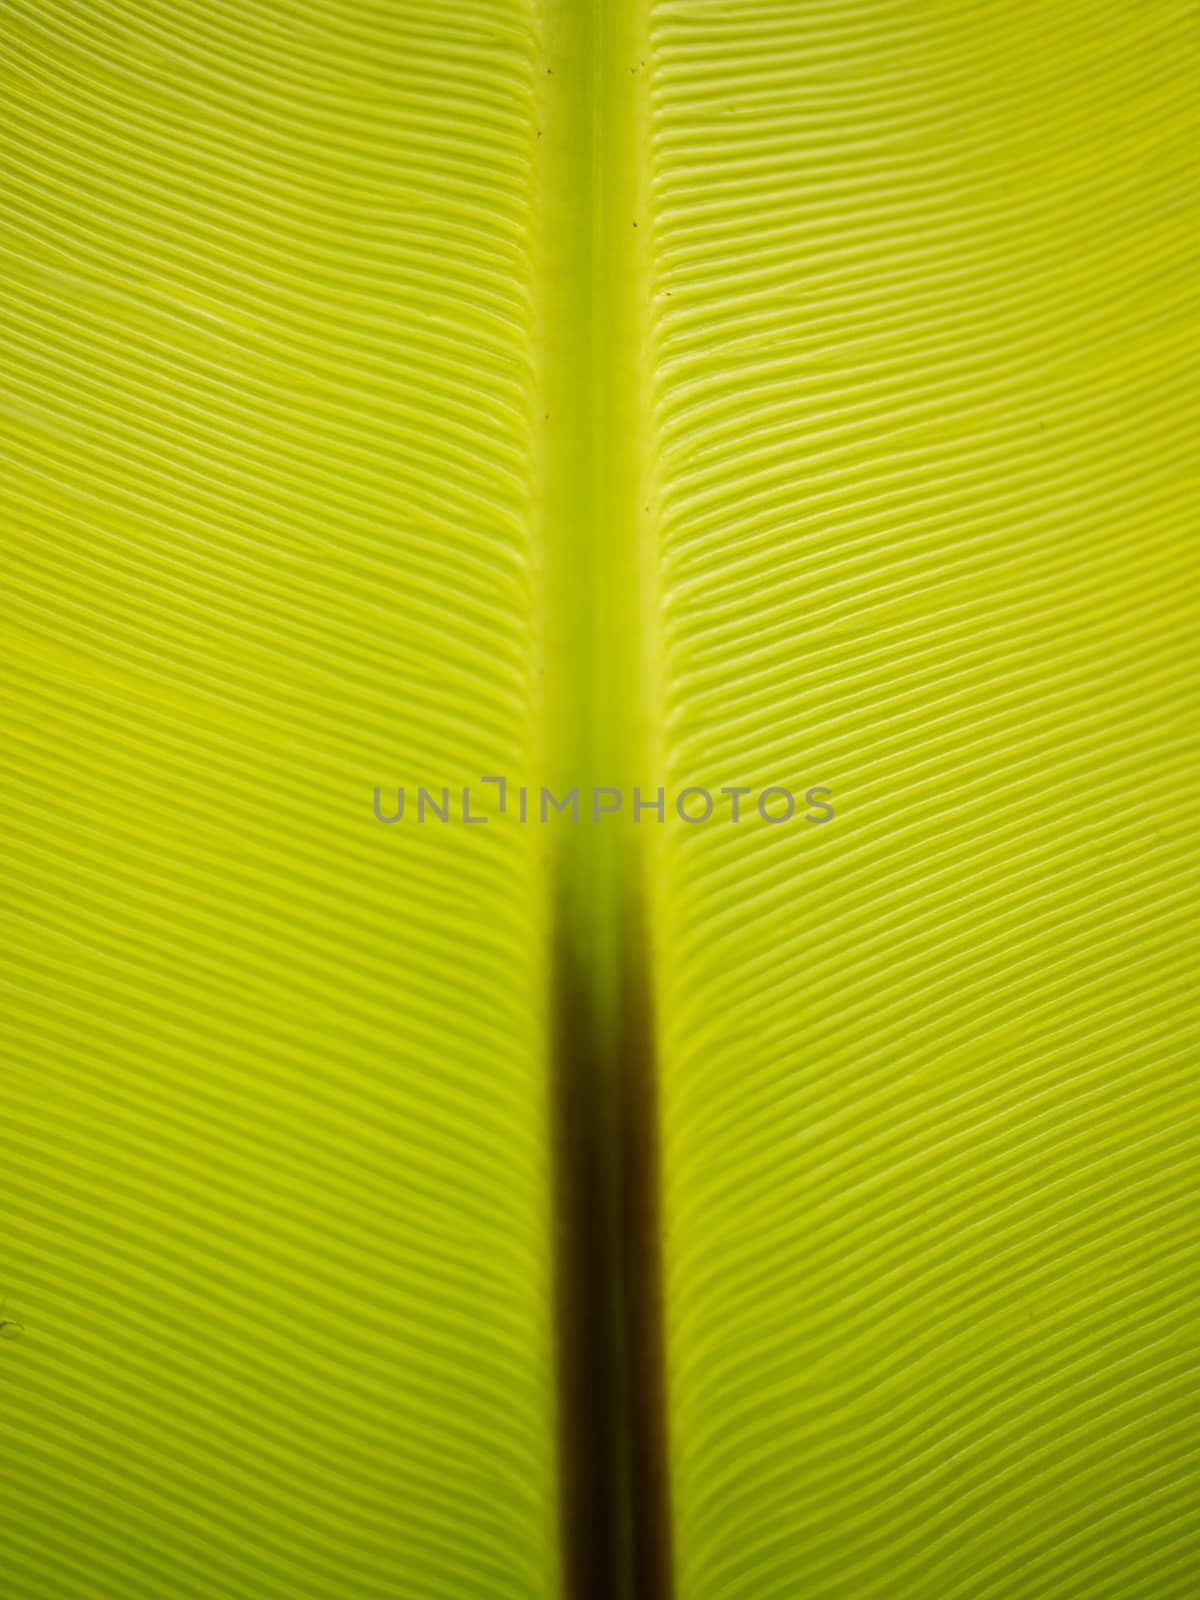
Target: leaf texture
point(274, 1199)
point(779, 394)
point(926, 409)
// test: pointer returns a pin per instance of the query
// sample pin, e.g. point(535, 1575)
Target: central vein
point(593, 290)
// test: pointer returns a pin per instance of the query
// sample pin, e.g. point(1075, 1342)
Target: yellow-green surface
point(928, 402)
point(664, 391)
point(273, 1184)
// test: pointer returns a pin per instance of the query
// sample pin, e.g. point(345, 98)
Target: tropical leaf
point(928, 537)
point(593, 395)
point(275, 1172)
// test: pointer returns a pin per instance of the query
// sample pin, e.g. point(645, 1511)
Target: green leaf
point(597, 393)
point(275, 1194)
point(928, 536)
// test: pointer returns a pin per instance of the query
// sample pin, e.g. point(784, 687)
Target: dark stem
point(616, 1529)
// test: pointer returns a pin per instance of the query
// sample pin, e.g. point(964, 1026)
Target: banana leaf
point(412, 410)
